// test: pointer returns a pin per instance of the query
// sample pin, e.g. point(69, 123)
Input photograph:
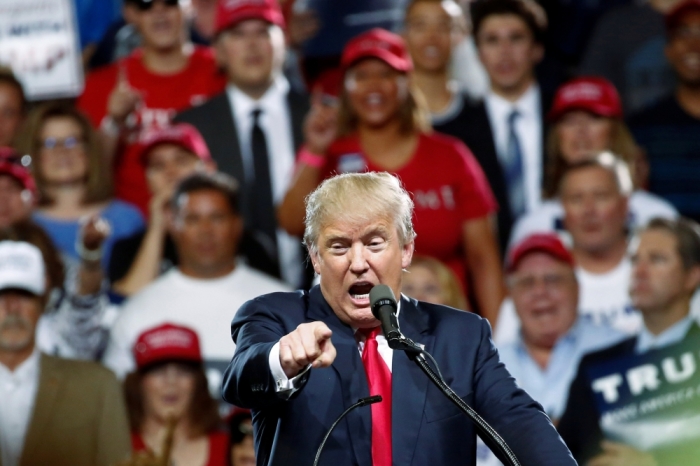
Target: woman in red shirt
point(169, 385)
point(381, 125)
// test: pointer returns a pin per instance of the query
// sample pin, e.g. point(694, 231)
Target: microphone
point(361, 402)
point(383, 305)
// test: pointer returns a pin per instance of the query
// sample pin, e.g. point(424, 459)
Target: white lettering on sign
point(442, 197)
point(674, 375)
point(608, 387)
point(647, 377)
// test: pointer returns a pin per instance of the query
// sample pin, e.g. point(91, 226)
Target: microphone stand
point(361, 402)
point(492, 439)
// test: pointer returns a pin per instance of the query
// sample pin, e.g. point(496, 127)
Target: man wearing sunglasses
point(165, 75)
point(253, 129)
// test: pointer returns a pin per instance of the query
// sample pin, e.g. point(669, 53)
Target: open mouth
point(360, 291)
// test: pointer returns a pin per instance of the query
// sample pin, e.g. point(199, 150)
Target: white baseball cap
point(22, 267)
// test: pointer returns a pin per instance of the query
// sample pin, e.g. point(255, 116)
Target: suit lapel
point(50, 380)
point(409, 384)
point(350, 372)
point(298, 107)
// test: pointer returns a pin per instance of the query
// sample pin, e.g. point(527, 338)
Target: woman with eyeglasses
point(381, 125)
point(74, 183)
point(586, 119)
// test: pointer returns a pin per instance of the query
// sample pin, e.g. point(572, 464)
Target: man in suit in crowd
point(53, 411)
point(506, 129)
point(303, 358)
point(253, 128)
point(665, 275)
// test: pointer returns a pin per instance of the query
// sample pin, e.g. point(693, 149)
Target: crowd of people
point(551, 151)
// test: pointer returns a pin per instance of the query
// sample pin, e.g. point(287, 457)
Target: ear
point(315, 261)
point(170, 221)
point(219, 52)
point(692, 281)
point(407, 254)
point(537, 53)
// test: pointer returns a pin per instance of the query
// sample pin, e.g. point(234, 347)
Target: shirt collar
point(528, 105)
point(243, 104)
point(569, 337)
point(674, 334)
point(27, 370)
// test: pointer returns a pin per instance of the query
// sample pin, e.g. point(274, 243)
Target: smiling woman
point(170, 387)
point(381, 125)
point(73, 181)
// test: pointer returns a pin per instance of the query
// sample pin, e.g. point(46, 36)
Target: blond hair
point(622, 144)
point(358, 198)
point(450, 287)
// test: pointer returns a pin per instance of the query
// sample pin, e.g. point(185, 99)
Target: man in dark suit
point(253, 128)
point(303, 358)
point(665, 275)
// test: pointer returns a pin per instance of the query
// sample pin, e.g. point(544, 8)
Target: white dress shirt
point(674, 334)
point(275, 121)
point(284, 383)
point(528, 127)
point(17, 396)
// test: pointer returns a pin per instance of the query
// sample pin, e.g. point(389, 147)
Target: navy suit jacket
point(427, 428)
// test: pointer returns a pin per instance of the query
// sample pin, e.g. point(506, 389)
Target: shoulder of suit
point(616, 350)
point(446, 313)
point(202, 109)
point(77, 369)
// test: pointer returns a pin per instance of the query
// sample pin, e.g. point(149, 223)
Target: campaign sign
point(39, 42)
point(650, 401)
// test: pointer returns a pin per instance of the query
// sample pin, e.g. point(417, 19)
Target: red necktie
point(379, 379)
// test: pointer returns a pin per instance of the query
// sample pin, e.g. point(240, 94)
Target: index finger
point(322, 332)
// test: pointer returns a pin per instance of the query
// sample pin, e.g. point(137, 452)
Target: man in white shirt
point(253, 128)
point(53, 411)
point(207, 285)
point(595, 195)
point(509, 36)
point(665, 274)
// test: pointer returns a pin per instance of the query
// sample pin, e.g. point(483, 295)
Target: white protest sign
point(39, 42)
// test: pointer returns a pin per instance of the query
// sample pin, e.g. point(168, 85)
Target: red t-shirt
point(218, 448)
point(163, 96)
point(446, 183)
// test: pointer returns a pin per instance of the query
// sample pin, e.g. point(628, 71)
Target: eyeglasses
point(71, 142)
point(552, 282)
point(145, 5)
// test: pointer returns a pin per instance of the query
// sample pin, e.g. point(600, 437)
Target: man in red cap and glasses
point(253, 129)
point(17, 189)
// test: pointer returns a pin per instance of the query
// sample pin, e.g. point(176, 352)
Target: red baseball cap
point(378, 43)
point(590, 93)
point(10, 165)
point(674, 16)
point(231, 12)
point(181, 134)
point(167, 342)
point(548, 243)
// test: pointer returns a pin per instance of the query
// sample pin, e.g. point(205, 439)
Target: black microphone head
point(370, 400)
point(381, 295)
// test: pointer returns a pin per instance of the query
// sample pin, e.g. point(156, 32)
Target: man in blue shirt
point(552, 338)
point(665, 275)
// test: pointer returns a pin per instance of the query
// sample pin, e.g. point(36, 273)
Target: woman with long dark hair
point(170, 386)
